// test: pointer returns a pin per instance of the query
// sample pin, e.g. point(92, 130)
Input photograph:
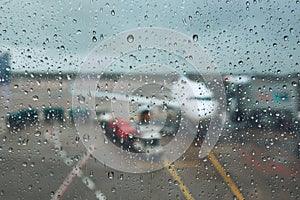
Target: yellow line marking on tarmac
point(227, 179)
point(182, 187)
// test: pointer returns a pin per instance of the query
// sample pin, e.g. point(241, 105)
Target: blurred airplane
point(191, 98)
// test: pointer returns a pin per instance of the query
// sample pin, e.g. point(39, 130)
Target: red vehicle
point(126, 134)
point(121, 132)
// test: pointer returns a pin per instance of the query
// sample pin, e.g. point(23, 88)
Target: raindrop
point(10, 149)
point(113, 190)
point(86, 137)
point(80, 99)
point(35, 98)
point(105, 140)
point(25, 141)
point(130, 38)
point(112, 12)
point(139, 47)
point(101, 36)
point(77, 138)
point(91, 173)
point(110, 175)
point(121, 177)
point(176, 182)
point(94, 39)
point(286, 38)
point(195, 38)
point(74, 21)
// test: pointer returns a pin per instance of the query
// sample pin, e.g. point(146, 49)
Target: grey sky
point(57, 35)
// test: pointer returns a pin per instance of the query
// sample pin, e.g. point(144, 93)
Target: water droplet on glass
point(112, 12)
point(113, 190)
point(86, 137)
point(110, 175)
point(130, 38)
point(175, 182)
point(101, 36)
point(10, 149)
point(91, 173)
point(105, 140)
point(121, 177)
point(94, 39)
point(81, 99)
point(77, 138)
point(25, 141)
point(35, 98)
point(195, 38)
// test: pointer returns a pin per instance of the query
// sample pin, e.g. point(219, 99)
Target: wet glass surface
point(152, 100)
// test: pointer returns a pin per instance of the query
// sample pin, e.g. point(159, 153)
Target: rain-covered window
point(149, 100)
